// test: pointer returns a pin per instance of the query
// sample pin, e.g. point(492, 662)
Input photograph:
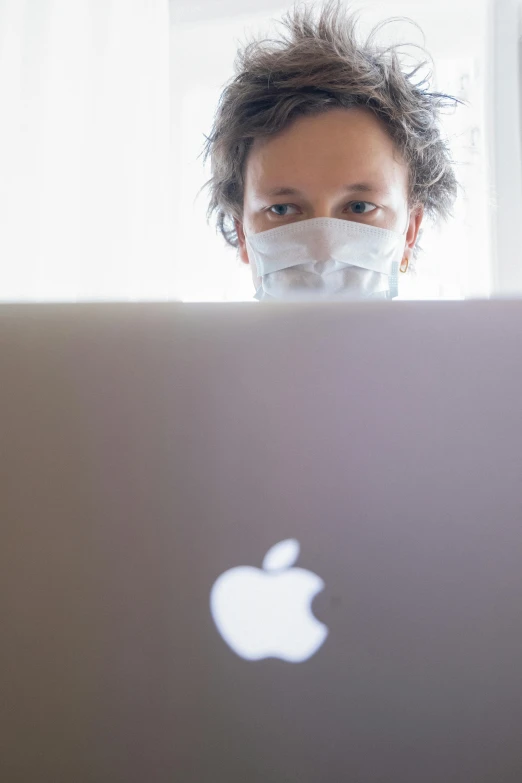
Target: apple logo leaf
point(282, 555)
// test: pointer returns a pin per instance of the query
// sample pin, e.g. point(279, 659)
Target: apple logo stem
point(265, 613)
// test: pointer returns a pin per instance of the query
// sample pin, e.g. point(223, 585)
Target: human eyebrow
point(356, 187)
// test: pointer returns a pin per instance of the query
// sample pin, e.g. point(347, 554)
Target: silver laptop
point(251, 544)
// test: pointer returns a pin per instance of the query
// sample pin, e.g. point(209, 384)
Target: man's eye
point(280, 206)
point(359, 207)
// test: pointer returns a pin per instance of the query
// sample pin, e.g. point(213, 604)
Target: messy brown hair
point(319, 65)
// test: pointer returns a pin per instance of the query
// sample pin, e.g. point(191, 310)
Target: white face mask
point(323, 258)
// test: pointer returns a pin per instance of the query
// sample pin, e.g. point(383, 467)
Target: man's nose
point(324, 209)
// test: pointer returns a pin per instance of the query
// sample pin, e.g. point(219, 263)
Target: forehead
point(341, 144)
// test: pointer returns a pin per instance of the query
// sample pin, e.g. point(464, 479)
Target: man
point(351, 141)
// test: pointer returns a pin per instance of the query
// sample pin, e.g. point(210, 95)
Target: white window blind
point(85, 181)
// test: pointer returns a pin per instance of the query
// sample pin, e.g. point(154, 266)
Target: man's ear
point(412, 233)
point(242, 249)
point(416, 217)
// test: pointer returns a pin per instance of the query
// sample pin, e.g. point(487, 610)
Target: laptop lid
point(277, 543)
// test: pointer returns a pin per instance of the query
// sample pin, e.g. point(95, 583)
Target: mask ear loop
point(403, 268)
point(259, 290)
point(394, 281)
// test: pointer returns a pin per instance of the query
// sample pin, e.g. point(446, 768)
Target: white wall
point(504, 98)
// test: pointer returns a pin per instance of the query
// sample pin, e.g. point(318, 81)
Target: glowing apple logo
point(265, 613)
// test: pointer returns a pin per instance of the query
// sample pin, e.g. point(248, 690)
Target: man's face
point(339, 164)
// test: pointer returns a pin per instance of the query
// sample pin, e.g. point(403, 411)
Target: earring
point(405, 264)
